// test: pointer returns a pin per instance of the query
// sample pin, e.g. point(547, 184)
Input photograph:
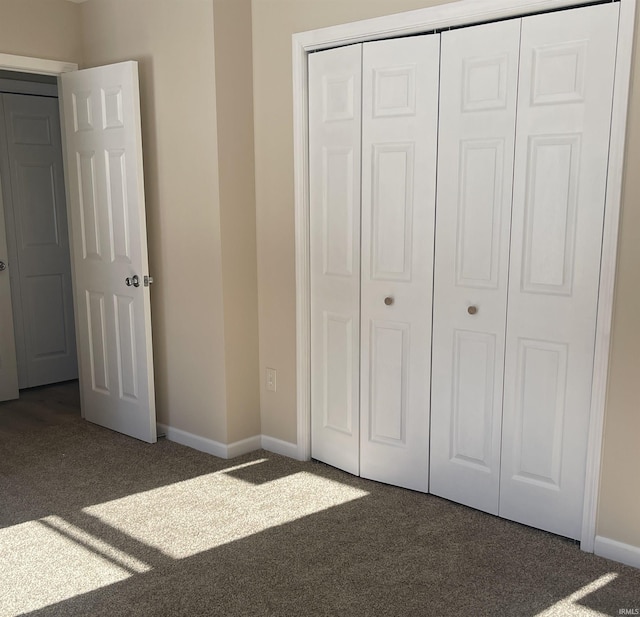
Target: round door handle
point(3, 266)
point(472, 310)
point(132, 281)
point(388, 300)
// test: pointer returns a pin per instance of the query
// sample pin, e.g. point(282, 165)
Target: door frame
point(422, 21)
point(44, 66)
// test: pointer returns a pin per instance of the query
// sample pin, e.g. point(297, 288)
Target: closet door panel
point(564, 115)
point(475, 172)
point(400, 106)
point(335, 100)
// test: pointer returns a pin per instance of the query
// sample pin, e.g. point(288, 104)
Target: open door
point(100, 109)
point(8, 364)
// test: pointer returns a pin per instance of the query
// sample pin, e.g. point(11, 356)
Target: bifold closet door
point(335, 102)
point(399, 148)
point(373, 142)
point(479, 81)
point(562, 145)
point(516, 276)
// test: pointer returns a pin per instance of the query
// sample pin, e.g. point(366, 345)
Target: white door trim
point(41, 66)
point(425, 20)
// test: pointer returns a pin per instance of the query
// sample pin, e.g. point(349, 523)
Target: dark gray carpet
point(95, 523)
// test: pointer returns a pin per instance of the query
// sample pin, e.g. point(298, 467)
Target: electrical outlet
point(271, 379)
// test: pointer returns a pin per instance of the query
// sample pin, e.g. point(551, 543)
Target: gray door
point(37, 238)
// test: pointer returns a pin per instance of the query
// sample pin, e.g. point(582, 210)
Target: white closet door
point(479, 80)
point(564, 114)
point(335, 100)
point(399, 144)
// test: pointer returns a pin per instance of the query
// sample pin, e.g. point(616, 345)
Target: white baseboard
point(194, 441)
point(231, 450)
point(280, 447)
point(618, 551)
point(244, 446)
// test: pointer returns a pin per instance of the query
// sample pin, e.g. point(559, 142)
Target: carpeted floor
point(95, 523)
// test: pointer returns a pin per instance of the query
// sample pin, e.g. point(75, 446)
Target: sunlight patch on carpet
point(568, 605)
point(59, 561)
point(199, 514)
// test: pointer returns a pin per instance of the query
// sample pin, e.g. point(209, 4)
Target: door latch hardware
point(147, 280)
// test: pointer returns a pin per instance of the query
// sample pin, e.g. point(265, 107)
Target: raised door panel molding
point(338, 209)
point(118, 205)
point(485, 83)
point(551, 214)
point(89, 216)
point(389, 382)
point(539, 415)
point(45, 296)
point(394, 91)
point(31, 130)
point(38, 215)
point(392, 211)
point(82, 110)
point(111, 104)
point(480, 209)
point(125, 328)
point(98, 343)
point(338, 92)
point(559, 73)
point(338, 378)
point(472, 415)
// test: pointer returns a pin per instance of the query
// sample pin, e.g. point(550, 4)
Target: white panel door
point(38, 241)
point(8, 364)
point(478, 90)
point(399, 144)
point(562, 143)
point(101, 112)
point(335, 99)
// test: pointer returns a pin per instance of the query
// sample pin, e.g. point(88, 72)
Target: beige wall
point(174, 45)
point(234, 86)
point(54, 32)
point(273, 23)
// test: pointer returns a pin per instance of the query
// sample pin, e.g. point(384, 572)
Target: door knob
point(472, 310)
point(3, 266)
point(388, 300)
point(134, 280)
